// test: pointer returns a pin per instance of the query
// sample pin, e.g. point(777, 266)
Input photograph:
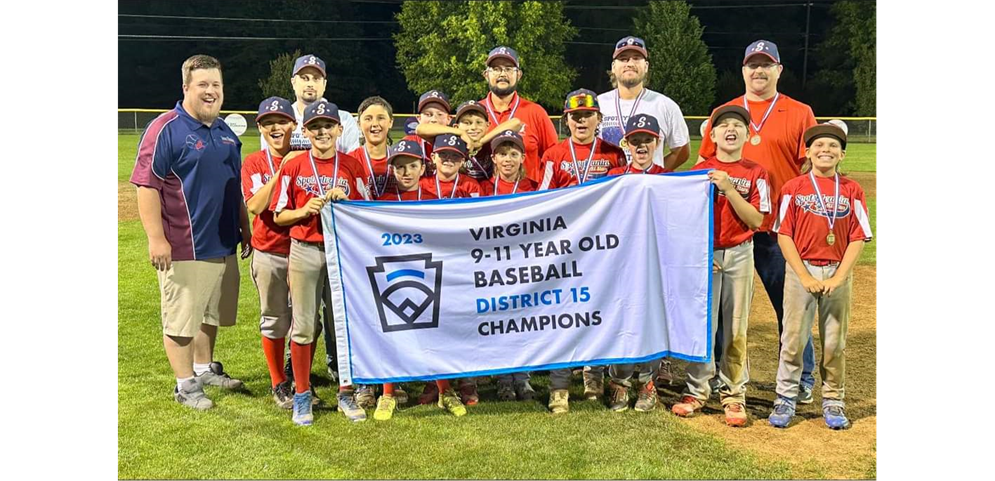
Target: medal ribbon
point(490, 109)
point(632, 111)
point(317, 176)
point(438, 189)
point(513, 190)
point(756, 128)
point(373, 175)
point(397, 190)
point(830, 219)
point(269, 161)
point(587, 168)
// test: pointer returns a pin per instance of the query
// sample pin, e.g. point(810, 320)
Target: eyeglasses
point(500, 70)
point(582, 100)
point(758, 65)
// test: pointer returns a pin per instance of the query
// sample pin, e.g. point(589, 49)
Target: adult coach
point(630, 65)
point(503, 103)
point(187, 174)
point(309, 81)
point(776, 142)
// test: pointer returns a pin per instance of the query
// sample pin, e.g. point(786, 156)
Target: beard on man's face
point(502, 92)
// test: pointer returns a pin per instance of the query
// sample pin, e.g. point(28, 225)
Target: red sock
point(443, 384)
point(274, 350)
point(388, 389)
point(301, 359)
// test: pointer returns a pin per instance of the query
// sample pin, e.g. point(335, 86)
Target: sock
point(345, 388)
point(273, 349)
point(301, 358)
point(199, 369)
point(388, 389)
point(443, 385)
point(180, 381)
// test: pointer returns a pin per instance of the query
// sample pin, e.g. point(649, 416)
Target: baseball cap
point(407, 148)
point(309, 60)
point(630, 43)
point(502, 52)
point(765, 47)
point(411, 127)
point(468, 106)
point(508, 136)
point(581, 99)
point(644, 123)
point(726, 110)
point(824, 130)
point(450, 142)
point(321, 109)
point(433, 96)
point(276, 106)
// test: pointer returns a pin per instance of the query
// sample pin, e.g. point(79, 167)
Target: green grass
point(869, 255)
point(246, 436)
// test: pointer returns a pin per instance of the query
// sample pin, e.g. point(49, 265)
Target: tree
point(443, 45)
point(278, 81)
point(680, 65)
point(857, 21)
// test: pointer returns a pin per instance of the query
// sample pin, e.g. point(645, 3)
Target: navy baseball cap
point(309, 61)
point(508, 136)
point(407, 148)
point(642, 123)
point(581, 99)
point(470, 106)
point(630, 43)
point(411, 127)
point(436, 96)
point(765, 47)
point(502, 52)
point(321, 109)
point(727, 110)
point(824, 130)
point(450, 142)
point(276, 106)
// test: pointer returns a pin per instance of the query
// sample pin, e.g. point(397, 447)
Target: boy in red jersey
point(449, 152)
point(642, 137)
point(471, 126)
point(433, 109)
point(509, 157)
point(583, 156)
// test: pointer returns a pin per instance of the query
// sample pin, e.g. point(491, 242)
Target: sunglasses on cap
point(580, 100)
point(631, 41)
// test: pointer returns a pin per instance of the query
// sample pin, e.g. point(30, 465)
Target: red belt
point(818, 263)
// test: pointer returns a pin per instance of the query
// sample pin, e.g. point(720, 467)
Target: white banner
point(614, 271)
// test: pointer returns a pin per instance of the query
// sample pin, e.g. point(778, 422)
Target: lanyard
point(317, 176)
point(573, 155)
point(746, 105)
point(490, 109)
point(373, 176)
point(269, 160)
point(397, 190)
point(513, 190)
point(830, 219)
point(618, 107)
point(438, 190)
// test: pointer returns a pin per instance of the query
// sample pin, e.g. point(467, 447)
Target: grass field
point(246, 436)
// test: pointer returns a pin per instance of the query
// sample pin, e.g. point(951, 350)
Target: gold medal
point(755, 140)
point(622, 143)
point(831, 239)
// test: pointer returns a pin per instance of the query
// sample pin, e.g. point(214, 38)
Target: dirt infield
point(808, 445)
point(127, 202)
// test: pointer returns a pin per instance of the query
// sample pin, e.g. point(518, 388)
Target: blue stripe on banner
point(369, 203)
point(711, 262)
point(405, 272)
point(345, 307)
point(537, 367)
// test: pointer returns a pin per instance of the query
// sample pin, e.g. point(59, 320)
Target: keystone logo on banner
point(409, 288)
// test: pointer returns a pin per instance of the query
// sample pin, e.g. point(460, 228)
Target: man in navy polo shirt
point(189, 200)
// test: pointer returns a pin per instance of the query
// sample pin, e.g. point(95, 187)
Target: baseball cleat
point(302, 409)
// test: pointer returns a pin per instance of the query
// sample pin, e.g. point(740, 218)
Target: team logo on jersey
point(194, 142)
point(742, 186)
point(810, 204)
point(227, 140)
point(309, 187)
point(407, 291)
point(598, 169)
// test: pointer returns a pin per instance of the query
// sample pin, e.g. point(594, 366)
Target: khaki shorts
point(196, 292)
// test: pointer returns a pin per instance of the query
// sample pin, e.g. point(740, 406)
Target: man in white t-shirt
point(630, 65)
point(309, 82)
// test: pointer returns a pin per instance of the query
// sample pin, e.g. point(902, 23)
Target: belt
point(821, 263)
point(320, 245)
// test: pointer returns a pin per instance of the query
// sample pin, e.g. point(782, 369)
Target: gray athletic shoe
point(524, 391)
point(192, 395)
point(283, 395)
point(505, 391)
point(804, 394)
point(349, 407)
point(216, 376)
point(366, 396)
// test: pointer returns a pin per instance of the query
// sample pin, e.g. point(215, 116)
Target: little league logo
point(810, 203)
point(407, 291)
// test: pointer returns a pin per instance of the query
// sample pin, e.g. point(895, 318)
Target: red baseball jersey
point(393, 195)
point(781, 151)
point(537, 131)
point(466, 187)
point(558, 164)
point(803, 218)
point(753, 183)
point(266, 235)
point(381, 178)
point(630, 169)
point(505, 188)
point(298, 185)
